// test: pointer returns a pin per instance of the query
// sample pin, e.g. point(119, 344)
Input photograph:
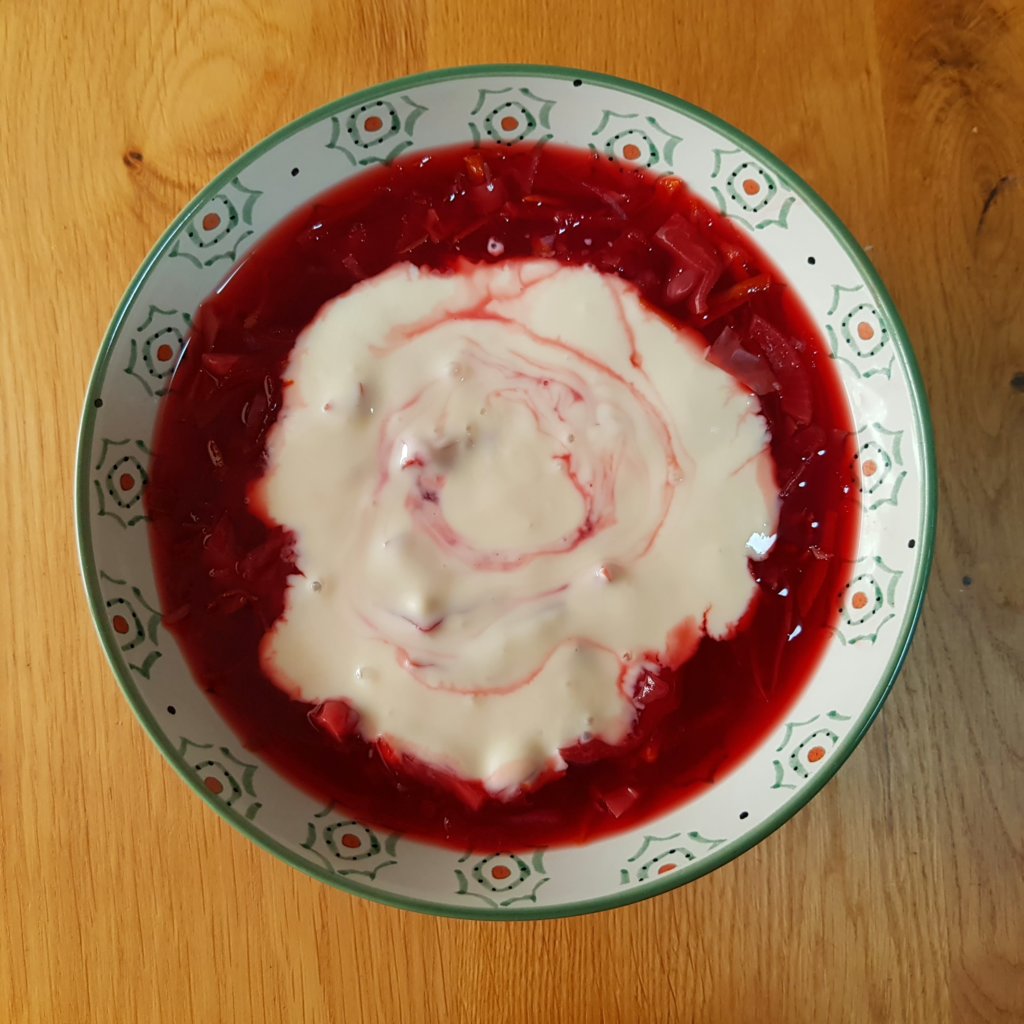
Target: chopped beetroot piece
point(618, 800)
point(615, 201)
point(727, 353)
point(488, 198)
point(220, 364)
point(335, 717)
point(680, 283)
point(694, 252)
point(789, 368)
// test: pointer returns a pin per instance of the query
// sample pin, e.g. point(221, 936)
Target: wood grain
point(896, 896)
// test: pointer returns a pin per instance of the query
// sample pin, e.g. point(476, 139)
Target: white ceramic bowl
point(630, 123)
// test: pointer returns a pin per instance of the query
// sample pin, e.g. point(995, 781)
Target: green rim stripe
point(925, 538)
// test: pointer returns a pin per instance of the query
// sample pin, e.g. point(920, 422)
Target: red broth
point(222, 570)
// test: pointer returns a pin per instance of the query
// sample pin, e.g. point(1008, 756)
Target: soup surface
point(503, 496)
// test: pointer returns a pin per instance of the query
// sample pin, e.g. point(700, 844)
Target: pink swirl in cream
point(514, 489)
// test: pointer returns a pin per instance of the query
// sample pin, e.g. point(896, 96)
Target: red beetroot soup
point(222, 570)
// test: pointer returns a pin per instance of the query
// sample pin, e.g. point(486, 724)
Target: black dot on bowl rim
point(911, 543)
point(744, 815)
point(97, 403)
point(577, 82)
point(811, 260)
point(295, 172)
point(171, 709)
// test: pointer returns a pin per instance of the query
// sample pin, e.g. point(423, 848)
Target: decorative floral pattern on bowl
point(346, 847)
point(662, 855)
point(804, 747)
point(858, 333)
point(133, 624)
point(219, 227)
point(501, 879)
point(881, 466)
point(155, 346)
point(748, 192)
point(869, 601)
point(510, 115)
point(632, 140)
point(227, 777)
point(633, 125)
point(375, 132)
point(119, 480)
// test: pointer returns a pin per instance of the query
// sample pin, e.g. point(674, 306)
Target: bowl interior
point(625, 122)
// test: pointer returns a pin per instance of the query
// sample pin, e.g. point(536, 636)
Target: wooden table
point(896, 896)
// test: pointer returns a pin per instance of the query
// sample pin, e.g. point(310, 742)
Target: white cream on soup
point(509, 486)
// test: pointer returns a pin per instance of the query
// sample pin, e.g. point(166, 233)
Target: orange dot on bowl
point(373, 123)
point(210, 221)
point(164, 352)
point(666, 868)
point(127, 482)
point(751, 187)
point(815, 754)
point(865, 331)
point(509, 124)
point(350, 841)
point(870, 467)
point(500, 872)
point(120, 624)
point(631, 151)
point(213, 784)
point(860, 600)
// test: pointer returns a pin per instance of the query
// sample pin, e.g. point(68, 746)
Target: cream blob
point(514, 489)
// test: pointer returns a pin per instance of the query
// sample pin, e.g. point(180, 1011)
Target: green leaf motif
point(790, 727)
point(698, 838)
point(144, 667)
point(648, 841)
point(607, 117)
point(780, 775)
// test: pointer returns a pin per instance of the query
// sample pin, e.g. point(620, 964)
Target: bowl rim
point(925, 533)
